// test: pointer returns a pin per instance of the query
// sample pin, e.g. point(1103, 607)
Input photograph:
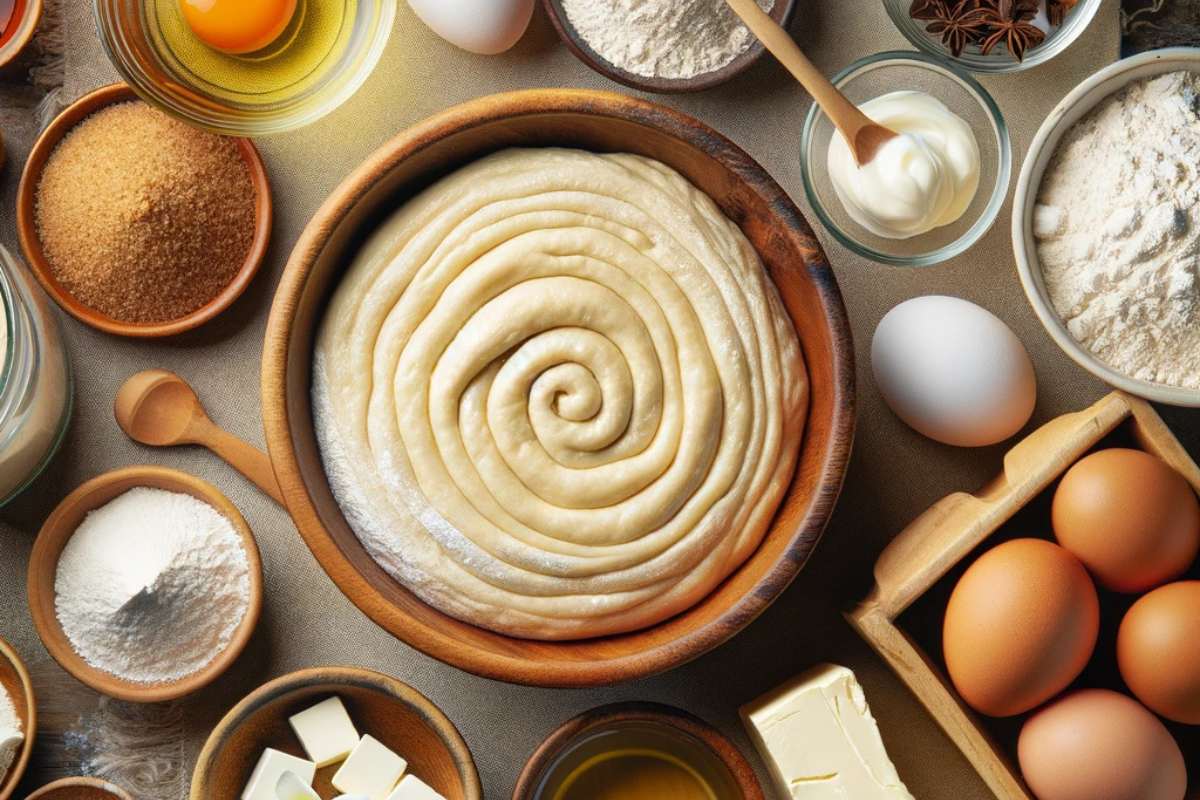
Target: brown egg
point(1100, 745)
point(1129, 517)
point(1158, 650)
point(1020, 626)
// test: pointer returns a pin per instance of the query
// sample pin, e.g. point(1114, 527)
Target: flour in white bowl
point(1117, 225)
point(152, 586)
point(662, 38)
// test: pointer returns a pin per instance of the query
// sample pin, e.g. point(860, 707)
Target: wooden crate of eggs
point(1063, 657)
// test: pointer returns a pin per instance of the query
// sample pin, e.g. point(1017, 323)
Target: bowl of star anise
point(992, 35)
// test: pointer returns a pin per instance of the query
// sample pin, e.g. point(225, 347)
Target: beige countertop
point(894, 474)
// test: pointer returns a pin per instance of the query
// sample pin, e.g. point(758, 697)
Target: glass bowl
point(999, 60)
point(322, 59)
point(893, 71)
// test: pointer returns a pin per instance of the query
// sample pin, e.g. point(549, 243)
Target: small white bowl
point(1073, 107)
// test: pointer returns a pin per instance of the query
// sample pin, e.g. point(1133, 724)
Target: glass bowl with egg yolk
point(883, 74)
point(245, 67)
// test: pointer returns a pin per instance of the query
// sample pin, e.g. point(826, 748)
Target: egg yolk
point(238, 26)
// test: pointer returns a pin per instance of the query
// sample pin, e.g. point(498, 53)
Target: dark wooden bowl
point(14, 677)
point(723, 756)
point(52, 540)
point(80, 789)
point(31, 244)
point(782, 13)
point(599, 121)
point(391, 711)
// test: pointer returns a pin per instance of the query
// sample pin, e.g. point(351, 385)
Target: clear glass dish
point(335, 45)
point(35, 380)
point(893, 71)
point(999, 59)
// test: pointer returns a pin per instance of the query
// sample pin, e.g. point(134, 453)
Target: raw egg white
point(953, 371)
point(238, 26)
point(479, 26)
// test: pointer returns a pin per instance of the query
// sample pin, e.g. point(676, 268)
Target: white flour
point(11, 736)
point(662, 38)
point(152, 586)
point(1118, 230)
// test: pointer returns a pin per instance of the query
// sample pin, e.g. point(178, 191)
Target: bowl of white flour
point(1106, 225)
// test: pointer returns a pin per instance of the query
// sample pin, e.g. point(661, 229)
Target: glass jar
point(35, 379)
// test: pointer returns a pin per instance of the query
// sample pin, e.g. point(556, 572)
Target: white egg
point(953, 371)
point(480, 26)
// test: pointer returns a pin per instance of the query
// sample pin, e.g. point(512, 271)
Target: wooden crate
point(940, 540)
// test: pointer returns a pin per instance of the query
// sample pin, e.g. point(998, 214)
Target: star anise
point(1007, 27)
point(926, 9)
point(959, 24)
point(1057, 10)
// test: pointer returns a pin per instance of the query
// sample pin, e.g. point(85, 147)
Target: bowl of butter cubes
point(336, 733)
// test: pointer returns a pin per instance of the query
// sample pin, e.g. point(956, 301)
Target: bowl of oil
point(245, 67)
point(637, 751)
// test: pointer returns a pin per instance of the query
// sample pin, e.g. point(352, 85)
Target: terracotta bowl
point(24, 34)
point(391, 711)
point(604, 122)
point(32, 246)
point(80, 789)
point(53, 538)
point(781, 12)
point(14, 677)
point(712, 754)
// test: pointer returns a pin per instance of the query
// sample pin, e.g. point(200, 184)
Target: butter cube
point(326, 731)
point(413, 788)
point(820, 740)
point(371, 770)
point(272, 764)
point(290, 787)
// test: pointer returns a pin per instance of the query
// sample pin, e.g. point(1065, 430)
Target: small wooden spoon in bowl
point(865, 136)
point(159, 408)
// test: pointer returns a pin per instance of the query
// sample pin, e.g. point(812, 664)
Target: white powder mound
point(662, 38)
point(11, 736)
point(152, 586)
point(1118, 230)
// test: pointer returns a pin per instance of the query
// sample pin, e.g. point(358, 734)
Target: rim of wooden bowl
point(34, 254)
point(358, 677)
point(656, 714)
point(29, 720)
point(781, 12)
point(46, 791)
point(806, 283)
point(52, 539)
point(29, 25)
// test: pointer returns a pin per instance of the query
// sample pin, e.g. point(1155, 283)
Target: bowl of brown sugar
point(137, 224)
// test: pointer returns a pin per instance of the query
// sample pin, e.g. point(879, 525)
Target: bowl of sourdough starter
point(1106, 225)
point(528, 416)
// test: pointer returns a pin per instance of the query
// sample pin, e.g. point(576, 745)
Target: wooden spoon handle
point(246, 459)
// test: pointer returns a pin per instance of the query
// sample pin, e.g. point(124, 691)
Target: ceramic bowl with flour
point(1105, 225)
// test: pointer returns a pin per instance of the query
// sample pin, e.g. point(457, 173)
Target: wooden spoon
point(159, 408)
point(865, 136)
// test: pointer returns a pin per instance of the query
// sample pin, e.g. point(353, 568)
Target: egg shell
point(1100, 745)
point(1158, 651)
point(487, 27)
point(1021, 624)
point(953, 371)
point(1129, 517)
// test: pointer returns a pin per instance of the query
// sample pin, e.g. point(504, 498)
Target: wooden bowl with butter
point(599, 122)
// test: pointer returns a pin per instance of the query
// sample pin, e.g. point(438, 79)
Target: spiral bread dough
point(557, 395)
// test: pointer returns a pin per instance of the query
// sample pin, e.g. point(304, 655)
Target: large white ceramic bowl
point(1073, 107)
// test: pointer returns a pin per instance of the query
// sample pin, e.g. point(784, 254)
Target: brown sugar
point(142, 217)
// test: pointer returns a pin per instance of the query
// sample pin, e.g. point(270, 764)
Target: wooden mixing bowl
point(58, 529)
point(80, 789)
point(14, 677)
point(393, 712)
point(598, 121)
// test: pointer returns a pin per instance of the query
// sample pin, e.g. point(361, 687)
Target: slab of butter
point(413, 788)
point(326, 731)
point(820, 740)
point(372, 770)
point(272, 764)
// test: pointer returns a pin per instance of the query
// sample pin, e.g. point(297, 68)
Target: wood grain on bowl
point(52, 540)
point(31, 244)
point(14, 678)
point(389, 710)
point(599, 121)
point(80, 789)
